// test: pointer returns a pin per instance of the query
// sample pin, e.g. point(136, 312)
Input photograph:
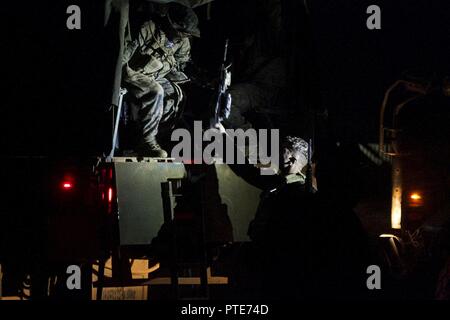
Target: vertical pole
point(120, 7)
point(396, 206)
point(100, 279)
point(123, 7)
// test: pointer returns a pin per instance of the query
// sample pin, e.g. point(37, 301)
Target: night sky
point(358, 65)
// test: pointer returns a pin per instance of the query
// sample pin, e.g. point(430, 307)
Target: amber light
point(415, 197)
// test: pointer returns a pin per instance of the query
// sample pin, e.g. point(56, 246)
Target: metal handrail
point(122, 93)
point(410, 87)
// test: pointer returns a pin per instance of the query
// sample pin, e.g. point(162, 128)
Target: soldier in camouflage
point(292, 179)
point(158, 55)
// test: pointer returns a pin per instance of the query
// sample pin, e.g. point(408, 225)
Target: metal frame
point(393, 152)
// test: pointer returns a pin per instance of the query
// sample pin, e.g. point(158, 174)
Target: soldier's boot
point(152, 150)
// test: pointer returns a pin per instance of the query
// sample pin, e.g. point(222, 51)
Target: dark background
point(57, 82)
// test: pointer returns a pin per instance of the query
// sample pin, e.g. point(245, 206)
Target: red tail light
point(110, 194)
point(66, 185)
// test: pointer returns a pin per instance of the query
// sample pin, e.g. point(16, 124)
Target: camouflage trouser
point(151, 105)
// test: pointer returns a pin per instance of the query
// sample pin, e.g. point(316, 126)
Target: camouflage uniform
point(148, 61)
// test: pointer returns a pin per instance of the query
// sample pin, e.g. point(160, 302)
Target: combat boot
point(152, 150)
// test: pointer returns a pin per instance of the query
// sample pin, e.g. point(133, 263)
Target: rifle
point(222, 104)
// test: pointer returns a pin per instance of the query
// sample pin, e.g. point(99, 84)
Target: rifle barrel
point(225, 52)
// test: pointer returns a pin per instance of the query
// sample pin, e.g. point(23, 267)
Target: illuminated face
point(292, 162)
